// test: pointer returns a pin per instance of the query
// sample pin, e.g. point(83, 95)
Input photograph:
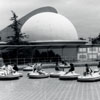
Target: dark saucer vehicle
point(56, 74)
point(69, 76)
point(36, 75)
point(93, 77)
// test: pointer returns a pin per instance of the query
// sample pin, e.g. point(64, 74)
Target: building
point(88, 52)
point(50, 34)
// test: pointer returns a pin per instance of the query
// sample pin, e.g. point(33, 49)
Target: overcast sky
point(84, 14)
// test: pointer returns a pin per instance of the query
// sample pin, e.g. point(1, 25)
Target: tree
point(18, 36)
point(96, 40)
point(14, 39)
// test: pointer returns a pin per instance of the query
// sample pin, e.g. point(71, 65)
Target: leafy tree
point(18, 36)
point(95, 40)
point(15, 39)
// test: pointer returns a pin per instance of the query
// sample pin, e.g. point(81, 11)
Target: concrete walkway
point(49, 89)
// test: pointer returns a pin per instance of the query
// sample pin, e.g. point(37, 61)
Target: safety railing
point(36, 59)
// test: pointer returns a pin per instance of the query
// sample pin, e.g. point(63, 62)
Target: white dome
point(49, 26)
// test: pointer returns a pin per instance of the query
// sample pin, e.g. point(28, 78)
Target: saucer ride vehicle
point(69, 76)
point(7, 73)
point(67, 65)
point(38, 75)
point(28, 68)
point(93, 77)
point(6, 76)
point(56, 74)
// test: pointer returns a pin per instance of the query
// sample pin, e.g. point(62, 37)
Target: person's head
point(71, 64)
point(63, 62)
point(15, 64)
point(86, 65)
point(6, 64)
point(56, 63)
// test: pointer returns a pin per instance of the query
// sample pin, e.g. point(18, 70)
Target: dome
point(49, 26)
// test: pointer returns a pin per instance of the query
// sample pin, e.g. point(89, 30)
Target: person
point(8, 69)
point(4, 69)
point(72, 68)
point(63, 62)
point(15, 67)
point(88, 70)
point(98, 66)
point(34, 67)
point(39, 69)
point(57, 67)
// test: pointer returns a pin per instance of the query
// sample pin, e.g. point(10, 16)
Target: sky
point(84, 14)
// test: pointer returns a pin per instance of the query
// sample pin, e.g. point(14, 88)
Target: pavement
point(49, 88)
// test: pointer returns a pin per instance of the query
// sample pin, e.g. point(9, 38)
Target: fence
point(36, 59)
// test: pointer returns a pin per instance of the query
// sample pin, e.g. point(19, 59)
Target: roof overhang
point(58, 42)
point(49, 43)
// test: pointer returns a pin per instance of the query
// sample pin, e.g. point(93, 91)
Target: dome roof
point(49, 26)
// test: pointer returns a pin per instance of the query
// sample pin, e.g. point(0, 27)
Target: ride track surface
point(49, 88)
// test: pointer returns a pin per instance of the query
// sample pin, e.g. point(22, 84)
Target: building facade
point(88, 52)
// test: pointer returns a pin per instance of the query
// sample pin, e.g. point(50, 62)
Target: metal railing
point(36, 59)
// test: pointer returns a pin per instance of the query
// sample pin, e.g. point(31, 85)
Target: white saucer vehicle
point(29, 68)
point(36, 75)
point(89, 78)
point(64, 66)
point(5, 76)
point(56, 74)
point(8, 77)
point(69, 76)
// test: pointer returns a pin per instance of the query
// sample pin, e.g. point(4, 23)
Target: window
point(82, 56)
point(92, 56)
point(82, 49)
point(93, 50)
